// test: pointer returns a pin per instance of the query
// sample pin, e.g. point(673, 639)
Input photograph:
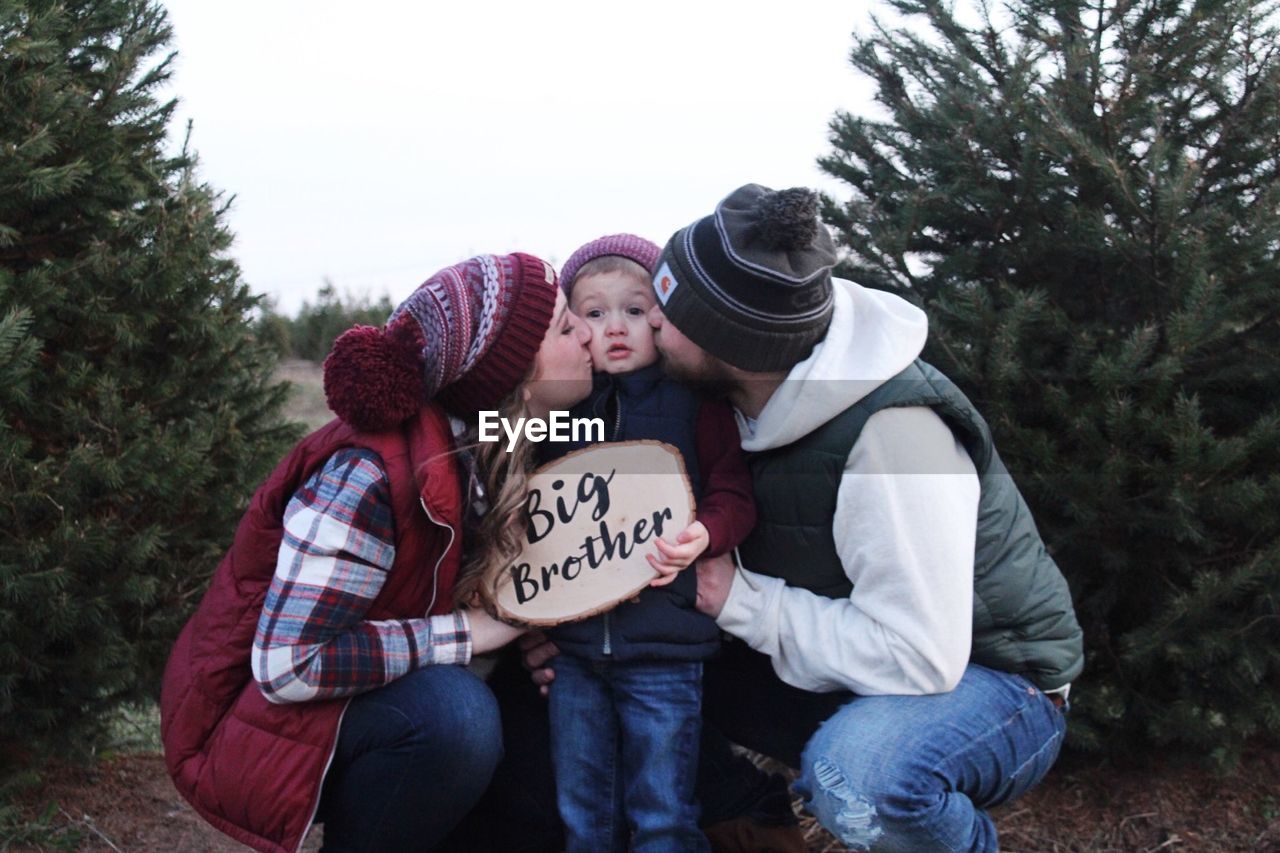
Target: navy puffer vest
point(661, 623)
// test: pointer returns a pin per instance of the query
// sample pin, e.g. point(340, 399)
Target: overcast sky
point(375, 146)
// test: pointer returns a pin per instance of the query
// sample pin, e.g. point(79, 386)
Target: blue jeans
point(624, 744)
point(911, 773)
point(517, 814)
point(413, 757)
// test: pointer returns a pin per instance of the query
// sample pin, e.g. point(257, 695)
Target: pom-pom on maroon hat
point(466, 337)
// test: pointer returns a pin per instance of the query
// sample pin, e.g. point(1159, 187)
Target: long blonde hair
point(494, 540)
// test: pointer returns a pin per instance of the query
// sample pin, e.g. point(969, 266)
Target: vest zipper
point(435, 580)
point(435, 573)
point(315, 807)
point(617, 434)
point(617, 416)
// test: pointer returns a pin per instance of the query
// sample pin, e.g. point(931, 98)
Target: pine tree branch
point(1247, 628)
point(1214, 154)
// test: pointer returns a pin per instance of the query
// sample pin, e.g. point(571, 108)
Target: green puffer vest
point(1023, 619)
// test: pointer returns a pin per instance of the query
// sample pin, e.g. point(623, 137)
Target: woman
point(308, 685)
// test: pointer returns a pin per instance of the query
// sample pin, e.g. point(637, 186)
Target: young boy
point(626, 704)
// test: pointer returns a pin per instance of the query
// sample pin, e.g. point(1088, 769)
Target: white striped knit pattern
point(458, 312)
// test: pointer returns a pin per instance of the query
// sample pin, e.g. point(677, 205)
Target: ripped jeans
point(894, 773)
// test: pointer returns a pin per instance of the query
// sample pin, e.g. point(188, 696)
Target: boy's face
point(616, 308)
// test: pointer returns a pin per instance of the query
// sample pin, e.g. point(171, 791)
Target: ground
point(125, 801)
point(1166, 803)
point(306, 394)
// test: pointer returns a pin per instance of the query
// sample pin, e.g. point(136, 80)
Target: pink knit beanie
point(628, 246)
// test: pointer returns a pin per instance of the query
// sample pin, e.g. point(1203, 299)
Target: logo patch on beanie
point(664, 283)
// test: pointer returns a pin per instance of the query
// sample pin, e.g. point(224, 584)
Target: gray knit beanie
point(751, 283)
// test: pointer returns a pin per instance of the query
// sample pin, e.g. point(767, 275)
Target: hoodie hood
point(873, 337)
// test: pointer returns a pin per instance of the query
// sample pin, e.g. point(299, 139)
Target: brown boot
point(744, 835)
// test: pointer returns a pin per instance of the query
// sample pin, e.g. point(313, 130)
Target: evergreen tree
point(1086, 199)
point(137, 410)
point(312, 333)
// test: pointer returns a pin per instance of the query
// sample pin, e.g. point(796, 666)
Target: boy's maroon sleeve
point(728, 507)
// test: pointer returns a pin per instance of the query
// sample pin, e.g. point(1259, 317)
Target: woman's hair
point(494, 540)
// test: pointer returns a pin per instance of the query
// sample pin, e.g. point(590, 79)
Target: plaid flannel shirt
point(313, 641)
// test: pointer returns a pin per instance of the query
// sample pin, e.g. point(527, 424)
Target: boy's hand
point(691, 542)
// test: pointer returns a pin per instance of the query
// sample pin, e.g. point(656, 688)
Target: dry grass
point(306, 393)
point(127, 803)
point(1166, 803)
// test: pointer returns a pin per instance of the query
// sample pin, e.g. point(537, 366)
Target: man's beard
point(709, 380)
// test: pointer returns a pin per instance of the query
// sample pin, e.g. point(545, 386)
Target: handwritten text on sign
point(593, 516)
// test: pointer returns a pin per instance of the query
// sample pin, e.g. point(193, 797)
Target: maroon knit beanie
point(466, 337)
point(628, 246)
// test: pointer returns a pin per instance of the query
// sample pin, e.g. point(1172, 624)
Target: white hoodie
point(904, 526)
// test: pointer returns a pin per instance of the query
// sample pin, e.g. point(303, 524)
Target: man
point(906, 641)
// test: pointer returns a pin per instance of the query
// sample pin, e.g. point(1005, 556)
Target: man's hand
point(715, 576)
point(691, 542)
point(536, 650)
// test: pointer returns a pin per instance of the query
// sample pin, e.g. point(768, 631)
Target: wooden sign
point(593, 516)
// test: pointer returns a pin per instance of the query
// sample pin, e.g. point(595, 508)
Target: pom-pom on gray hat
point(751, 283)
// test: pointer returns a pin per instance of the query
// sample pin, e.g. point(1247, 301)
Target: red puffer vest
point(253, 769)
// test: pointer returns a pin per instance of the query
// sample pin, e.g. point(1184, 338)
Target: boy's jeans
point(912, 773)
point(624, 743)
